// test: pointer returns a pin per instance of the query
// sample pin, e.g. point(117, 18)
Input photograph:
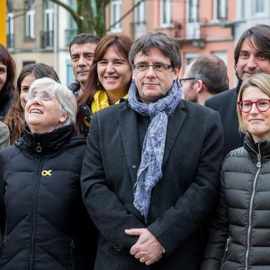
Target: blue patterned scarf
point(150, 170)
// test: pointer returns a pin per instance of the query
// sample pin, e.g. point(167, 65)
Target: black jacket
point(225, 103)
point(182, 199)
point(239, 234)
point(46, 225)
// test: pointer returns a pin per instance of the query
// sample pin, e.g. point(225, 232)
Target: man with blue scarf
point(151, 167)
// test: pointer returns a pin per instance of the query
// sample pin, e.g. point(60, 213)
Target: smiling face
point(44, 115)
point(251, 60)
point(114, 73)
point(256, 123)
point(3, 75)
point(153, 84)
point(25, 85)
point(82, 56)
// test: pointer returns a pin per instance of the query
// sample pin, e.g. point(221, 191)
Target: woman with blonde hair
point(239, 233)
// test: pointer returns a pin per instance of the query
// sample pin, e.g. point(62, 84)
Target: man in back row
point(81, 50)
point(251, 55)
point(205, 77)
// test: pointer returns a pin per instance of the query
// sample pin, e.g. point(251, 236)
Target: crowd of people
point(133, 167)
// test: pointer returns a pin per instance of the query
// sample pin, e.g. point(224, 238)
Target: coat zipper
point(34, 214)
point(226, 252)
point(258, 165)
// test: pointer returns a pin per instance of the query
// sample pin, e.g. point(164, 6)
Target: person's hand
point(147, 249)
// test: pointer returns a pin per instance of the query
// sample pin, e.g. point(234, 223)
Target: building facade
point(200, 26)
point(40, 31)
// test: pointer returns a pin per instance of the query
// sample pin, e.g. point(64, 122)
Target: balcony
point(10, 41)
point(47, 39)
point(69, 35)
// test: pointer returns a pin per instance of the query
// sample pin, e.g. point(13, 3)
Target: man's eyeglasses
point(45, 96)
point(246, 105)
point(182, 81)
point(156, 66)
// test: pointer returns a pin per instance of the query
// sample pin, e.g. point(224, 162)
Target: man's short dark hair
point(167, 45)
point(261, 40)
point(84, 38)
point(212, 71)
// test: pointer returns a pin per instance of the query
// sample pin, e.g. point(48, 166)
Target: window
point(193, 14)
point(30, 20)
point(259, 6)
point(221, 8)
point(71, 31)
point(116, 13)
point(48, 16)
point(47, 40)
point(10, 26)
point(70, 75)
point(222, 55)
point(140, 12)
point(166, 13)
point(188, 58)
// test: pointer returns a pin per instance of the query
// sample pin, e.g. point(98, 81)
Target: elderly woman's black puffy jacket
point(46, 224)
point(240, 232)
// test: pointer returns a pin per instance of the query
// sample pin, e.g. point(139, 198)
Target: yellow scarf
point(101, 101)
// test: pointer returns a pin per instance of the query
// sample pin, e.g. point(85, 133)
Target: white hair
point(64, 95)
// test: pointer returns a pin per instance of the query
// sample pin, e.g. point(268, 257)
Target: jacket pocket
point(72, 253)
point(224, 258)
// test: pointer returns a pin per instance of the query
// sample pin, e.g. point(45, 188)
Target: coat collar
point(130, 138)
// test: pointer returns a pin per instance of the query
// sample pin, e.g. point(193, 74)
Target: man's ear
point(200, 86)
point(176, 73)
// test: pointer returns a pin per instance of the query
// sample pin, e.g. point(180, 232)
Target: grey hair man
point(146, 188)
point(251, 56)
point(81, 50)
point(205, 77)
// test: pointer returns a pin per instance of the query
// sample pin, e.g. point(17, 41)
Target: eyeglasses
point(246, 105)
point(181, 81)
point(156, 66)
point(45, 96)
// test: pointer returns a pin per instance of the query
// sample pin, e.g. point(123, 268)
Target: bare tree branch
point(72, 12)
point(125, 15)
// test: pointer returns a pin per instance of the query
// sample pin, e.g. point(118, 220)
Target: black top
point(225, 103)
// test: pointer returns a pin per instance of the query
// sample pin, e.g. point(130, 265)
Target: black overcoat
point(182, 199)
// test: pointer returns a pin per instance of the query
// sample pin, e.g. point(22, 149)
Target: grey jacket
point(239, 234)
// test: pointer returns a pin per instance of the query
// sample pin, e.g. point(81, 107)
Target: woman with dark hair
point(7, 77)
point(15, 116)
point(108, 81)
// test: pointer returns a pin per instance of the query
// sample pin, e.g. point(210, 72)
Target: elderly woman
point(45, 223)
point(239, 234)
point(108, 81)
point(15, 116)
